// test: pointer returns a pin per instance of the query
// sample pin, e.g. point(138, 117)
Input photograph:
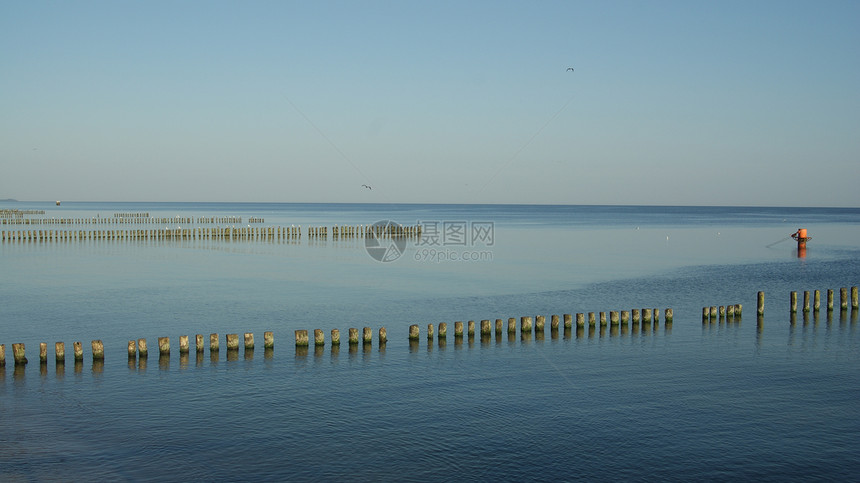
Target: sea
point(774, 397)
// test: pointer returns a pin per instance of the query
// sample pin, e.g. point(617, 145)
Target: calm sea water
point(776, 399)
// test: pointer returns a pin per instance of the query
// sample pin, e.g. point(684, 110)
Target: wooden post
point(625, 317)
point(714, 311)
point(458, 329)
point(198, 343)
point(854, 301)
point(553, 322)
point(2, 355)
point(98, 350)
point(141, 348)
point(806, 301)
point(670, 314)
point(382, 335)
point(760, 303)
point(486, 328)
point(568, 321)
point(335, 337)
point(164, 346)
point(816, 301)
point(183, 344)
point(269, 339)
point(353, 335)
point(634, 316)
point(830, 300)
point(443, 330)
point(132, 349)
point(722, 311)
point(214, 343)
point(79, 351)
point(60, 352)
point(540, 322)
point(319, 337)
point(580, 320)
point(792, 300)
point(301, 338)
point(43, 352)
point(512, 325)
point(471, 328)
point(646, 316)
point(613, 317)
point(843, 298)
point(430, 331)
point(249, 341)
point(525, 325)
point(18, 354)
point(232, 342)
point(367, 336)
point(592, 321)
point(602, 318)
point(414, 332)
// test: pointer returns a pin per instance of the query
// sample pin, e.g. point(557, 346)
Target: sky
point(669, 103)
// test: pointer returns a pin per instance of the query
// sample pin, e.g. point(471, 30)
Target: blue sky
point(687, 102)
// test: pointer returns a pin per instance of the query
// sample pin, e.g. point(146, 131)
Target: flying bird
point(365, 186)
point(570, 69)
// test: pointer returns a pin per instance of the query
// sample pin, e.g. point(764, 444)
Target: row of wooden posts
point(244, 233)
point(137, 347)
point(529, 324)
point(723, 312)
point(7, 213)
point(128, 220)
point(815, 304)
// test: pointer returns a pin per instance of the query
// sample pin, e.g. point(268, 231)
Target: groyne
point(210, 233)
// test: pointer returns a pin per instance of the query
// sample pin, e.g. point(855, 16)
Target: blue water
point(776, 399)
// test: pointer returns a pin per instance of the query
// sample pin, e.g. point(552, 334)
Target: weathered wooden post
point(335, 338)
point(500, 324)
point(553, 322)
point(471, 328)
point(430, 331)
point(670, 314)
point(60, 352)
point(367, 336)
point(512, 325)
point(353, 335)
point(486, 328)
point(540, 322)
point(730, 311)
point(568, 321)
point(613, 317)
point(580, 320)
point(592, 321)
point(2, 355)
point(43, 352)
point(132, 349)
point(301, 338)
point(164, 346)
point(18, 354)
point(414, 332)
point(525, 325)
point(443, 330)
point(602, 318)
point(382, 335)
point(319, 337)
point(214, 343)
point(249, 341)
point(198, 343)
point(232, 342)
point(830, 300)
point(843, 298)
point(646, 316)
point(98, 350)
point(816, 301)
point(269, 339)
point(760, 304)
point(79, 350)
point(625, 317)
point(183, 344)
point(854, 300)
point(792, 301)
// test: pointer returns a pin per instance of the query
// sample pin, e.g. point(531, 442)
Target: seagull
point(570, 69)
point(368, 187)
